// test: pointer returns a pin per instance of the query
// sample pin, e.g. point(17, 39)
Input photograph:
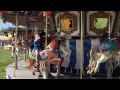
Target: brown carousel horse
point(50, 54)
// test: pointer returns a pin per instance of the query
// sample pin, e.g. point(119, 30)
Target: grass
point(5, 60)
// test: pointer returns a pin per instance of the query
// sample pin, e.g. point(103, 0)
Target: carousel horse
point(16, 47)
point(50, 54)
point(116, 54)
point(107, 50)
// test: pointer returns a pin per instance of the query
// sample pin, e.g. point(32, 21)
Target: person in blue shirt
point(37, 46)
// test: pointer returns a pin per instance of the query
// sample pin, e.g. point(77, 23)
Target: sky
point(5, 26)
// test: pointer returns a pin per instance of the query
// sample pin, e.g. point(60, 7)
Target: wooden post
point(59, 24)
point(26, 38)
point(59, 56)
point(46, 29)
point(35, 26)
point(25, 54)
point(25, 46)
point(16, 57)
point(81, 49)
point(32, 31)
point(26, 35)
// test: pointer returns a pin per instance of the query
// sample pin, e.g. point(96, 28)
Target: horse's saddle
point(48, 48)
point(43, 54)
point(104, 46)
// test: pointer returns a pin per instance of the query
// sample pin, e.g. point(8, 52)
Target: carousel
point(85, 44)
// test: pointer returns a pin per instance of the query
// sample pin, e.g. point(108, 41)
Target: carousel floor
point(23, 73)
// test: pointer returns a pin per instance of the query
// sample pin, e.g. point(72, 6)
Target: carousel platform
point(23, 73)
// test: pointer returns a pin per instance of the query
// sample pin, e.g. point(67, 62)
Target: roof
point(25, 18)
point(22, 13)
point(5, 39)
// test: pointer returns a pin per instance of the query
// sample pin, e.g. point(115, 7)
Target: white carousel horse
point(116, 55)
point(93, 55)
point(16, 47)
point(102, 53)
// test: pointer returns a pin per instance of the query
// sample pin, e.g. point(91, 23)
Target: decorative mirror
point(97, 22)
point(101, 23)
point(67, 22)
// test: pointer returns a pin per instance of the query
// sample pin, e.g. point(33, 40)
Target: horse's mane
point(93, 57)
point(54, 43)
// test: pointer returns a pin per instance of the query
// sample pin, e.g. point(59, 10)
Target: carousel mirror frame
point(91, 30)
point(94, 16)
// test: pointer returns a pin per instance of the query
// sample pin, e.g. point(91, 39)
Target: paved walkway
point(23, 73)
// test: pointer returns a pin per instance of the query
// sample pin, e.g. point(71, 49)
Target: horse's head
point(63, 41)
point(107, 47)
point(64, 46)
point(52, 45)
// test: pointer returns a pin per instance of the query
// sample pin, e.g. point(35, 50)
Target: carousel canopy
point(25, 18)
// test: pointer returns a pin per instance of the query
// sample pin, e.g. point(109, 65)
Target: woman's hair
point(31, 46)
point(38, 34)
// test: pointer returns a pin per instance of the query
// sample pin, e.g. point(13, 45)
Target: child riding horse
point(50, 50)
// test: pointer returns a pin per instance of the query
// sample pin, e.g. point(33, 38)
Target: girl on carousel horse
point(49, 53)
point(37, 46)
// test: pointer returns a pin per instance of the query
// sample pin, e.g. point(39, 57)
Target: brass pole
point(81, 49)
point(46, 29)
point(16, 59)
point(109, 25)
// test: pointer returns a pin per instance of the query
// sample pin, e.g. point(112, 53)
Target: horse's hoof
point(88, 72)
point(91, 72)
point(40, 76)
point(50, 76)
point(33, 73)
